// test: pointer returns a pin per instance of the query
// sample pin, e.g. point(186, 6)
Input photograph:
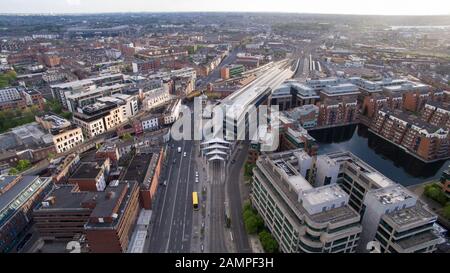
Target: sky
point(378, 7)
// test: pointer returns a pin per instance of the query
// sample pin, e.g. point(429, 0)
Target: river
point(387, 158)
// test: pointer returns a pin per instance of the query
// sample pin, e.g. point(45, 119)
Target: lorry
point(179, 149)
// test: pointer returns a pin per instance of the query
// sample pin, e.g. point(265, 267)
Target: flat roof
point(84, 81)
point(414, 215)
point(65, 198)
point(324, 194)
point(86, 170)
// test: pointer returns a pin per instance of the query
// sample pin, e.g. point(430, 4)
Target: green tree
point(127, 136)
point(251, 225)
point(269, 243)
point(446, 211)
point(247, 214)
point(13, 171)
point(434, 191)
point(23, 164)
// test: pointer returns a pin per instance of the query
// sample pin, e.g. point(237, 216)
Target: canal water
point(384, 156)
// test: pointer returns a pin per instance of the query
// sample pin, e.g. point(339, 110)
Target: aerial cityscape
point(172, 130)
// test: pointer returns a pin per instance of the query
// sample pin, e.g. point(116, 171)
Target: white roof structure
point(216, 157)
point(215, 146)
point(216, 152)
point(215, 140)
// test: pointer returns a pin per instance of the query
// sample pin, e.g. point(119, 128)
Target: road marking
point(187, 190)
point(165, 194)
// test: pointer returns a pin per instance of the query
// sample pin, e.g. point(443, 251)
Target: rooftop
point(415, 215)
point(291, 186)
point(392, 195)
point(87, 170)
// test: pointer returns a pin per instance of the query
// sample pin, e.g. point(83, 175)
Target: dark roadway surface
point(173, 207)
point(237, 224)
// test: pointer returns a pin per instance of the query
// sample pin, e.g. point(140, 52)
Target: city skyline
point(384, 7)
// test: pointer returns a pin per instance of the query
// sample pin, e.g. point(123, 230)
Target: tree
point(446, 211)
point(127, 137)
point(23, 164)
point(259, 222)
point(251, 225)
point(269, 243)
point(247, 214)
point(435, 192)
point(247, 205)
point(13, 171)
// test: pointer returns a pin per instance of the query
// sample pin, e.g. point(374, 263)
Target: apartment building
point(231, 71)
point(437, 114)
point(128, 104)
point(172, 112)
point(424, 140)
point(307, 115)
point(91, 175)
point(354, 176)
point(156, 97)
point(337, 111)
point(293, 94)
point(302, 218)
point(398, 221)
point(33, 98)
point(62, 90)
point(98, 118)
point(77, 101)
point(373, 103)
point(65, 135)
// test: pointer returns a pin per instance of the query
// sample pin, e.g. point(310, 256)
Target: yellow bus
point(195, 200)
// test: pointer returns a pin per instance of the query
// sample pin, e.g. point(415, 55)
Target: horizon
point(212, 11)
point(320, 7)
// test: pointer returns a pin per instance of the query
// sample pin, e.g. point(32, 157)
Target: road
point(233, 180)
point(215, 74)
point(173, 208)
point(217, 209)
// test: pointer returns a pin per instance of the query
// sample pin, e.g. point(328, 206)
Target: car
point(196, 180)
point(196, 174)
point(184, 154)
point(174, 161)
point(233, 161)
point(202, 248)
point(165, 182)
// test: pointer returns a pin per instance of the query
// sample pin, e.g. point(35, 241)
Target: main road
point(173, 208)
